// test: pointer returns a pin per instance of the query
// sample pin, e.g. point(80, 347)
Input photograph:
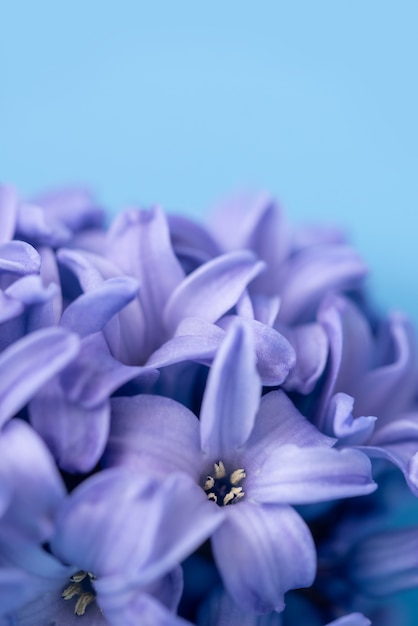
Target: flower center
point(81, 588)
point(222, 487)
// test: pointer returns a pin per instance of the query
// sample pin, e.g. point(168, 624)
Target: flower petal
point(18, 257)
point(91, 311)
point(29, 363)
point(232, 395)
point(310, 274)
point(75, 435)
point(278, 423)
point(8, 212)
point(132, 529)
point(305, 475)
point(311, 346)
point(137, 608)
point(211, 290)
point(262, 551)
point(154, 434)
point(34, 486)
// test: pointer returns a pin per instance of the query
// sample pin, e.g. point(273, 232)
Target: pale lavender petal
point(75, 435)
point(265, 308)
point(139, 243)
point(213, 289)
point(397, 442)
point(154, 435)
point(195, 340)
point(221, 610)
point(8, 212)
point(262, 552)
point(29, 363)
point(131, 529)
point(296, 475)
point(94, 375)
point(313, 272)
point(340, 423)
point(75, 207)
point(278, 423)
point(35, 486)
point(232, 395)
point(9, 308)
point(134, 608)
point(34, 225)
point(275, 356)
point(311, 346)
point(49, 608)
point(189, 235)
point(91, 311)
point(390, 388)
point(19, 257)
point(351, 349)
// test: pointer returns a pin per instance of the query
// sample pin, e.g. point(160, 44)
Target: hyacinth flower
point(253, 459)
point(370, 396)
point(51, 220)
point(113, 551)
point(301, 268)
point(139, 240)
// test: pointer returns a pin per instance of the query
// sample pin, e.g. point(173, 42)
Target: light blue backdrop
point(181, 102)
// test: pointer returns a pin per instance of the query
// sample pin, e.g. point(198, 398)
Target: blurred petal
point(221, 610)
point(307, 276)
point(232, 395)
point(34, 486)
point(311, 346)
point(211, 290)
point(18, 257)
point(29, 363)
point(76, 435)
point(90, 312)
point(138, 608)
point(8, 212)
point(262, 552)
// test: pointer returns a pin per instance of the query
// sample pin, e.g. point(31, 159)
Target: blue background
point(183, 102)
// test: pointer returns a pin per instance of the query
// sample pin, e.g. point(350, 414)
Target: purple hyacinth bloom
point(258, 457)
point(370, 397)
point(177, 318)
point(122, 538)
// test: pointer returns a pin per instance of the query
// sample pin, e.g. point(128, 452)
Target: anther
point(209, 483)
point(213, 497)
point(237, 476)
point(82, 603)
point(72, 590)
point(234, 494)
point(79, 576)
point(219, 470)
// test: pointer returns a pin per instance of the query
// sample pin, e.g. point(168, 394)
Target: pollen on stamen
point(82, 603)
point(222, 487)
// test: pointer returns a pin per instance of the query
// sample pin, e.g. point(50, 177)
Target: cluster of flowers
point(188, 416)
